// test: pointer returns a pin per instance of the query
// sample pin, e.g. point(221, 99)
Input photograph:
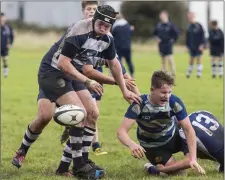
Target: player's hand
point(137, 151)
point(9, 46)
point(158, 40)
point(131, 97)
point(130, 84)
point(94, 86)
point(187, 49)
point(201, 48)
point(194, 165)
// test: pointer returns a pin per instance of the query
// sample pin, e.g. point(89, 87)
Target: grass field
point(19, 107)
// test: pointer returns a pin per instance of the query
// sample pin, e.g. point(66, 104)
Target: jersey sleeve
point(110, 52)
point(133, 111)
point(178, 108)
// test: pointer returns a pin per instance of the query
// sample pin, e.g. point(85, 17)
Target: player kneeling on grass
point(210, 137)
point(157, 131)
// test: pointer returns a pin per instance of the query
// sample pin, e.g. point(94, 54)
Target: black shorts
point(165, 49)
point(160, 155)
point(57, 84)
point(4, 52)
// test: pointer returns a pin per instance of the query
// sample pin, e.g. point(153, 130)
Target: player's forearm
point(67, 68)
point(117, 75)
point(99, 77)
point(124, 138)
point(177, 166)
point(191, 142)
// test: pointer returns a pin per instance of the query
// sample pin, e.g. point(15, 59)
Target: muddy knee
point(92, 117)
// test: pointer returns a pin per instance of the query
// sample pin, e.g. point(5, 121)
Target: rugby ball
point(69, 115)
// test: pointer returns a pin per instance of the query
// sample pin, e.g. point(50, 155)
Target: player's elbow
point(87, 72)
point(119, 132)
point(63, 65)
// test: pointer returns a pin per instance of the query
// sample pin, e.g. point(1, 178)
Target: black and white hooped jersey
point(90, 49)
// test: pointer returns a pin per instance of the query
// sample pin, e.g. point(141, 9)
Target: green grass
point(19, 107)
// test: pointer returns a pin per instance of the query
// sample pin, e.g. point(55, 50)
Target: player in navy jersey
point(7, 38)
point(157, 131)
point(122, 33)
point(216, 44)
point(210, 136)
point(61, 77)
point(166, 34)
point(195, 42)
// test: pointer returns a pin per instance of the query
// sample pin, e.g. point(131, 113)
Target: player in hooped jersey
point(157, 130)
point(62, 80)
point(210, 136)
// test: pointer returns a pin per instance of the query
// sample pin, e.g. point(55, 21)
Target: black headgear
point(105, 13)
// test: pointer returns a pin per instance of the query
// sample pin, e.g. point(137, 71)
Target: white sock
point(220, 68)
point(199, 69)
point(190, 69)
point(6, 71)
point(213, 68)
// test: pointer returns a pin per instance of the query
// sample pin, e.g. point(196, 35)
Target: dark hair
point(160, 77)
point(2, 14)
point(214, 23)
point(86, 3)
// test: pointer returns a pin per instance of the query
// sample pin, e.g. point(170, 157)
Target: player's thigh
point(45, 109)
point(54, 85)
point(70, 98)
point(88, 101)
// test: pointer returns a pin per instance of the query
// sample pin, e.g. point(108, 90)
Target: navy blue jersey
point(7, 36)
point(166, 32)
point(122, 32)
point(89, 49)
point(216, 40)
point(209, 133)
point(195, 36)
point(156, 124)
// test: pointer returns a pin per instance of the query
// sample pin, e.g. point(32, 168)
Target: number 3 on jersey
point(209, 124)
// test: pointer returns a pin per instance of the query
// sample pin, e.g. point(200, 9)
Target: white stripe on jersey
point(97, 45)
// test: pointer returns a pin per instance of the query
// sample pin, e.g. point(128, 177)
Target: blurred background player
point(216, 44)
point(7, 37)
point(122, 32)
point(195, 42)
point(166, 34)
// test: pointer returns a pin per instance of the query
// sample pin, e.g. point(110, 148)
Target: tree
point(144, 15)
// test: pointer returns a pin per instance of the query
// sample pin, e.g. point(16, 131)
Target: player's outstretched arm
point(91, 73)
point(64, 64)
point(136, 150)
point(178, 166)
point(116, 71)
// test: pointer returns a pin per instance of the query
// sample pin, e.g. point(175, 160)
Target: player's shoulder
point(176, 103)
point(81, 27)
point(202, 112)
point(173, 98)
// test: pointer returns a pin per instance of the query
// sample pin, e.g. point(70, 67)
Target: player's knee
point(92, 116)
point(44, 118)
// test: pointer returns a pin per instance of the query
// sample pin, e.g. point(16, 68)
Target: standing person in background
point(166, 34)
point(195, 41)
point(122, 32)
point(216, 44)
point(7, 37)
